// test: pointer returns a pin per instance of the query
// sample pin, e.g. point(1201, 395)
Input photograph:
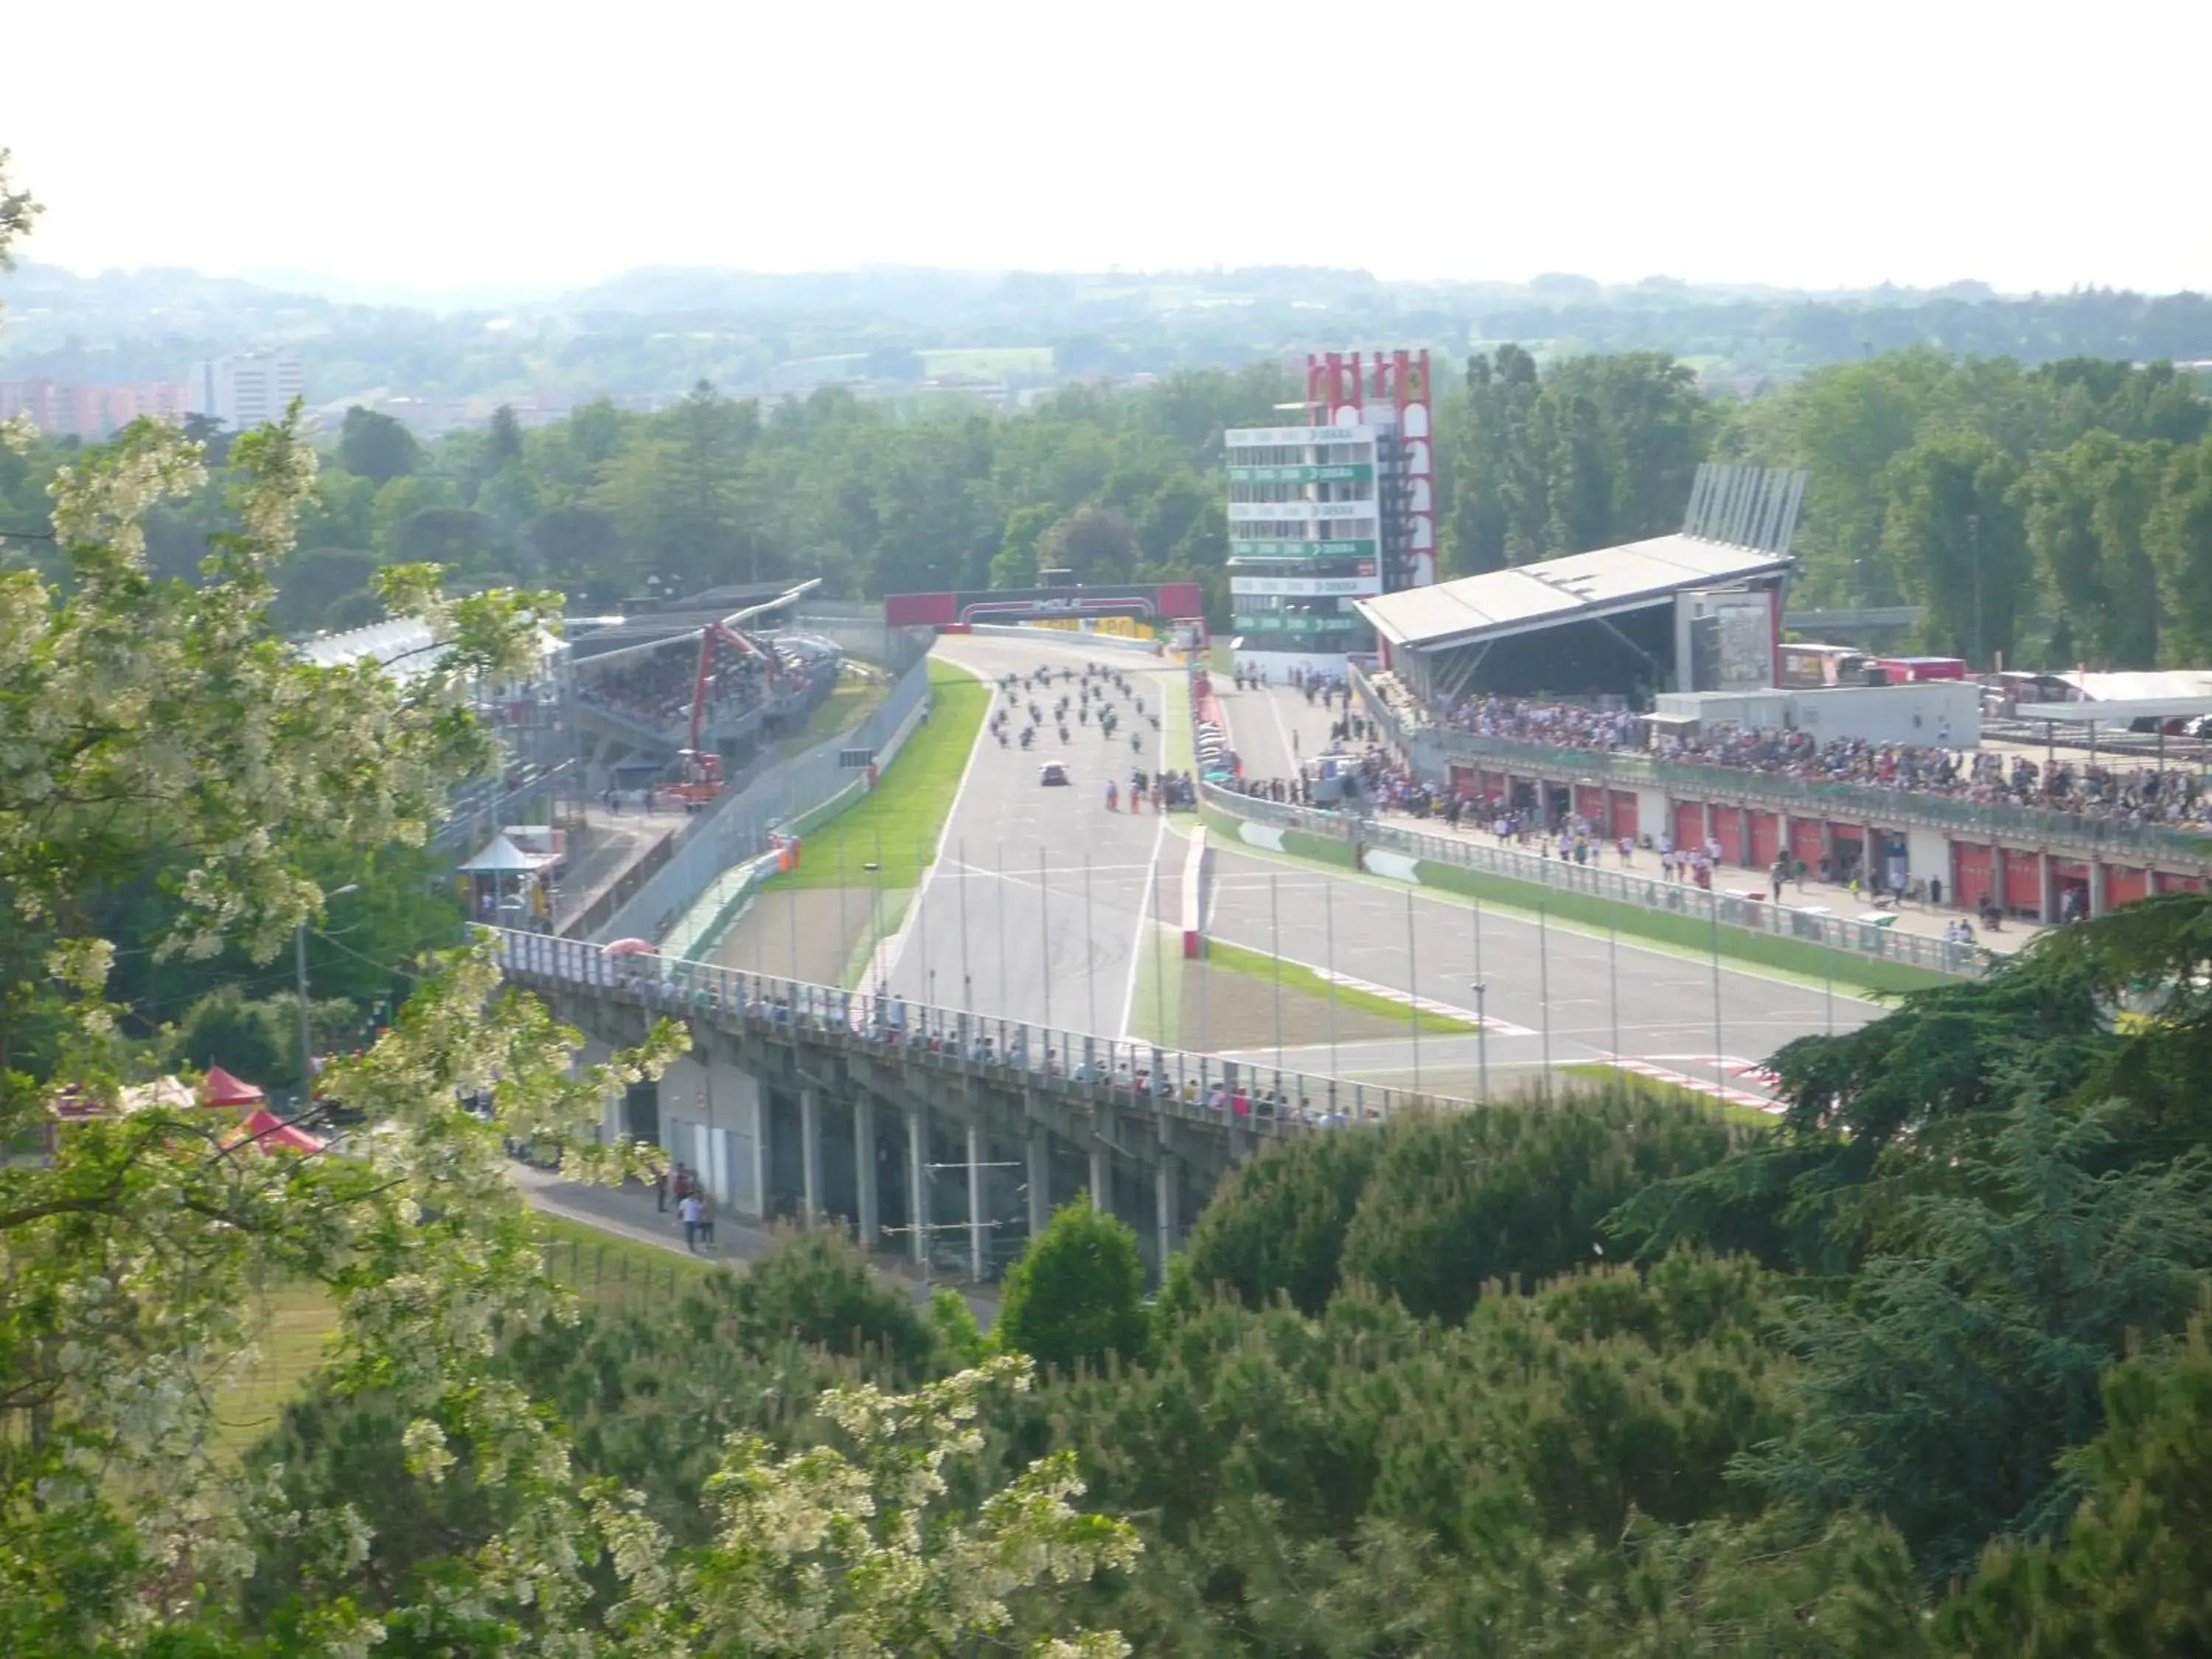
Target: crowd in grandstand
point(2138, 795)
point(655, 687)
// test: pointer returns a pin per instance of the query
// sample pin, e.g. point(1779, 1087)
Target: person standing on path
point(661, 1191)
point(706, 1203)
point(689, 1209)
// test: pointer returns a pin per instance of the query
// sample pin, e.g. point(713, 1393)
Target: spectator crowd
point(2138, 795)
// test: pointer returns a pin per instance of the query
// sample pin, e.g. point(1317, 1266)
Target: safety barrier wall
point(1201, 1088)
point(736, 825)
point(1358, 836)
point(1194, 895)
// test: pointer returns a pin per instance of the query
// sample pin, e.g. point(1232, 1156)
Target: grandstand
point(646, 689)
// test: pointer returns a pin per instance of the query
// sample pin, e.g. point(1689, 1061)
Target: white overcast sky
point(2033, 144)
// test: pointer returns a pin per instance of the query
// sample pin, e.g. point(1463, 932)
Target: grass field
point(298, 1318)
point(614, 1273)
point(609, 1272)
point(1258, 965)
point(902, 820)
point(988, 360)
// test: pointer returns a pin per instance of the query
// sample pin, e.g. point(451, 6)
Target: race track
point(1029, 944)
point(1010, 908)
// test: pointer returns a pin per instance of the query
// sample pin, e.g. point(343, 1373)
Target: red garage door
point(1689, 824)
point(2023, 882)
point(1625, 820)
point(1494, 785)
point(2173, 884)
point(1589, 804)
point(1808, 841)
point(1971, 878)
point(1462, 781)
point(1727, 830)
point(1766, 840)
point(2124, 886)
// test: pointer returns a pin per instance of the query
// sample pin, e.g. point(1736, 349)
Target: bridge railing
point(1626, 886)
point(1202, 1088)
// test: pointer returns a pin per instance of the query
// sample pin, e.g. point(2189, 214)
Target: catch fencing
point(1736, 912)
point(1204, 1088)
point(788, 797)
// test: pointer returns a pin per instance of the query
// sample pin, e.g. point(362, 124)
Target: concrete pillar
point(975, 1203)
point(809, 1149)
point(1039, 1181)
point(864, 1171)
point(1167, 1201)
point(1102, 1180)
point(2098, 901)
point(917, 1175)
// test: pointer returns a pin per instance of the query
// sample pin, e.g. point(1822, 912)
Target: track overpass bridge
point(930, 1126)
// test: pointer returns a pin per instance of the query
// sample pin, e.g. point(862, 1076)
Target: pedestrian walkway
point(629, 1210)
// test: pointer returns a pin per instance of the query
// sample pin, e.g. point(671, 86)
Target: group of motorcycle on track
point(1092, 699)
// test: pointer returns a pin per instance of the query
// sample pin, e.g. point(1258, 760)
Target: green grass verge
point(608, 1270)
point(852, 701)
point(1652, 1088)
point(900, 822)
point(1179, 753)
point(299, 1319)
point(1156, 1009)
point(1689, 934)
point(615, 1273)
point(1258, 965)
point(1681, 932)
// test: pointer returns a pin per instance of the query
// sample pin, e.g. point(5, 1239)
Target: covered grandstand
point(1674, 613)
point(643, 690)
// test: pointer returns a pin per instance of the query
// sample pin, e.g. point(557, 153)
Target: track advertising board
point(1161, 602)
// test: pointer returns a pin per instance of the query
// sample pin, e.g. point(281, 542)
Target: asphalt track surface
point(1040, 900)
point(1036, 949)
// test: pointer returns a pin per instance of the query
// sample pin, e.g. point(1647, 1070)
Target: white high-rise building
point(247, 390)
point(1336, 509)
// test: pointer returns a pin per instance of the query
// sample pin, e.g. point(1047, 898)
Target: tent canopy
point(502, 857)
point(219, 1088)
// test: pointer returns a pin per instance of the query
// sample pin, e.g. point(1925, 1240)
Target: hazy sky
point(1812, 144)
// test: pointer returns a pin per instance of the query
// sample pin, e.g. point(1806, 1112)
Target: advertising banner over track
point(1160, 602)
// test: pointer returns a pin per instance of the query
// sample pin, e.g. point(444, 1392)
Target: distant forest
point(654, 334)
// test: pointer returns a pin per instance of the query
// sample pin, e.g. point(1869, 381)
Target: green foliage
point(817, 1289)
point(1941, 1389)
point(376, 447)
point(1517, 1193)
point(1588, 452)
point(2129, 1576)
point(1276, 1228)
point(1076, 1297)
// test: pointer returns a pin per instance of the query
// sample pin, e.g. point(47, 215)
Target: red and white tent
point(269, 1133)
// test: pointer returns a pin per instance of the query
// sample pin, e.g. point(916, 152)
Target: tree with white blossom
point(161, 732)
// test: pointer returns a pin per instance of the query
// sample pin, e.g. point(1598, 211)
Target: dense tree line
point(2055, 514)
point(1916, 1372)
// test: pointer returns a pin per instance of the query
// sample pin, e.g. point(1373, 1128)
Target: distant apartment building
point(61, 409)
point(245, 391)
